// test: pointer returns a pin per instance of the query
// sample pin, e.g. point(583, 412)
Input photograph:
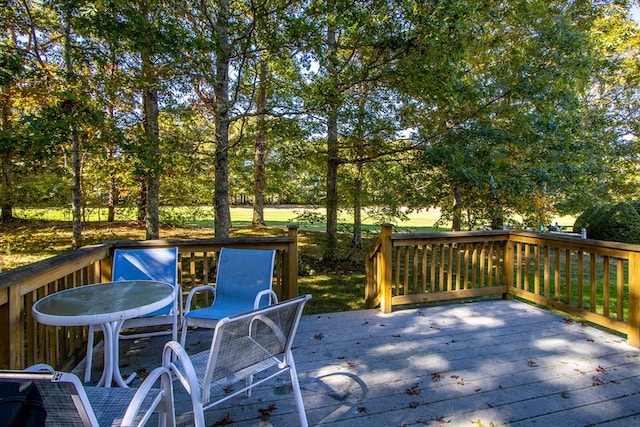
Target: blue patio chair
point(157, 264)
point(243, 283)
point(65, 402)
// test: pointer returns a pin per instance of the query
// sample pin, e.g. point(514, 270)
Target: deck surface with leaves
point(488, 363)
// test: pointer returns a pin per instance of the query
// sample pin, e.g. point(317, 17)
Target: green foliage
point(307, 217)
point(586, 218)
point(619, 222)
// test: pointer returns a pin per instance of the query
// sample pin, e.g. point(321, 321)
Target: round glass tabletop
point(104, 302)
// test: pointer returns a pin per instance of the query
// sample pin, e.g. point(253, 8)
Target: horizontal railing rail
point(24, 342)
point(595, 280)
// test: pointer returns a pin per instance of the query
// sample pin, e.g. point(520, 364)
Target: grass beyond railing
point(595, 280)
point(24, 342)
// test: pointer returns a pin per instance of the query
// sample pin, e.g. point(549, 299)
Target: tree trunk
point(330, 252)
point(357, 210)
point(357, 187)
point(260, 149)
point(151, 129)
point(457, 208)
point(142, 200)
point(70, 105)
point(221, 91)
point(7, 160)
point(111, 202)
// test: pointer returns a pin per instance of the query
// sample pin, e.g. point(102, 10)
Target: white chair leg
point(89, 356)
point(297, 394)
point(183, 332)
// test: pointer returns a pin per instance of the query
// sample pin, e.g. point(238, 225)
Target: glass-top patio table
point(108, 305)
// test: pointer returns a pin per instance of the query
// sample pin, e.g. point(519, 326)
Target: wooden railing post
point(5, 333)
point(633, 334)
point(385, 267)
point(507, 268)
point(16, 329)
point(290, 289)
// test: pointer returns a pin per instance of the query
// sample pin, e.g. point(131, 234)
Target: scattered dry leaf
point(362, 409)
point(435, 376)
point(413, 391)
point(265, 413)
point(319, 336)
point(531, 363)
point(414, 405)
point(597, 380)
point(143, 373)
point(223, 422)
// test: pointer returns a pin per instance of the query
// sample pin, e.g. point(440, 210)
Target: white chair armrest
point(161, 373)
point(192, 293)
point(270, 292)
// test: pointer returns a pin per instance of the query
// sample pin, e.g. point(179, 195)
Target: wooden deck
point(488, 363)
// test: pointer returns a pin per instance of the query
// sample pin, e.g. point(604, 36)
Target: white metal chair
point(68, 403)
point(244, 345)
point(157, 264)
point(243, 282)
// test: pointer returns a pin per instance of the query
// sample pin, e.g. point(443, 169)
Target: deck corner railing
point(595, 280)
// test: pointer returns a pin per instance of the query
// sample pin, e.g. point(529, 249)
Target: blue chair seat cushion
point(217, 313)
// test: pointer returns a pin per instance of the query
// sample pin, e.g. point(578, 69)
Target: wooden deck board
point(468, 364)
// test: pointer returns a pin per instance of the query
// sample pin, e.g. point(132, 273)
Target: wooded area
point(485, 109)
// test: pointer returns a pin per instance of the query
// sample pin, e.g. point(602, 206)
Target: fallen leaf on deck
point(413, 391)
point(266, 413)
point(223, 422)
point(319, 336)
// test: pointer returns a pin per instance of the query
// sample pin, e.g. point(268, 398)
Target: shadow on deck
point(468, 364)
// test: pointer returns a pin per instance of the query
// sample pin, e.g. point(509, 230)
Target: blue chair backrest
point(158, 264)
point(242, 273)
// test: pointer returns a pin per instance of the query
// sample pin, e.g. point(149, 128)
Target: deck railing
point(24, 342)
point(595, 280)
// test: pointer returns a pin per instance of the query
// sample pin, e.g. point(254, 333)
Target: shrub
point(585, 219)
point(618, 223)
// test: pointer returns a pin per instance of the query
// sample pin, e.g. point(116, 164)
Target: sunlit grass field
point(307, 217)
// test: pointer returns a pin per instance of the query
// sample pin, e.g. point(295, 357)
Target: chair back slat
point(242, 273)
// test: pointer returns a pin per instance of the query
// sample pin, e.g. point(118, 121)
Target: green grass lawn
point(203, 216)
